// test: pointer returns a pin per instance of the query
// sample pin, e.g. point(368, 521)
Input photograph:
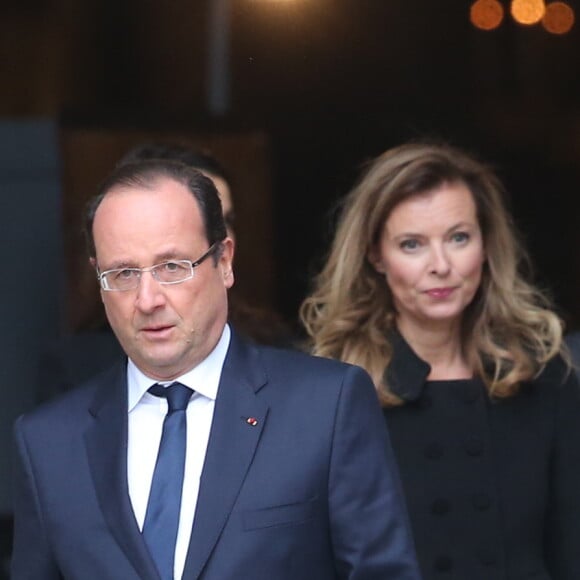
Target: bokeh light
point(559, 18)
point(486, 14)
point(528, 11)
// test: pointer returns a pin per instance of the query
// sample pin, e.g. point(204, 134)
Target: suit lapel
point(237, 425)
point(106, 442)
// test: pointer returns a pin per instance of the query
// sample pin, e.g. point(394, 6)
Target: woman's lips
point(440, 293)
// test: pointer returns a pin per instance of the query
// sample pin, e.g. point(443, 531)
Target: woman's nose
point(440, 263)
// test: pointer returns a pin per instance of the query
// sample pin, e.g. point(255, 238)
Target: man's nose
point(150, 293)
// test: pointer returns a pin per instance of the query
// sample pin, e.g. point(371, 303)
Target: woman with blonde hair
point(424, 288)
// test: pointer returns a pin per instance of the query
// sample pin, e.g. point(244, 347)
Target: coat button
point(481, 501)
point(443, 564)
point(474, 447)
point(433, 451)
point(440, 507)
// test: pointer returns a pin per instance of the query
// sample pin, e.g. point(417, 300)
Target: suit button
point(433, 451)
point(474, 447)
point(481, 501)
point(443, 564)
point(440, 507)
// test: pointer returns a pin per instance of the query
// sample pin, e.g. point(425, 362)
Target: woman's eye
point(460, 237)
point(409, 245)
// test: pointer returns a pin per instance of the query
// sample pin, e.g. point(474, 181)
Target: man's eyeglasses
point(170, 272)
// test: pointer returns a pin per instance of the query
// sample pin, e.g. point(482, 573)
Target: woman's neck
point(440, 347)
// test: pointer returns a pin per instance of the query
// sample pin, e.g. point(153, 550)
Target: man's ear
point(227, 261)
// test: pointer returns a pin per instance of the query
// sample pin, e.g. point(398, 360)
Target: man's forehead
point(130, 207)
point(139, 226)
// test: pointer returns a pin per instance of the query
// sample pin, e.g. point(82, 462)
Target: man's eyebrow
point(163, 257)
point(168, 255)
point(120, 264)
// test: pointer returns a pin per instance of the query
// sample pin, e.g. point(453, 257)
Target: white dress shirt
point(146, 415)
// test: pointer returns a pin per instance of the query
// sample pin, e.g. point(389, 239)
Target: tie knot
point(177, 395)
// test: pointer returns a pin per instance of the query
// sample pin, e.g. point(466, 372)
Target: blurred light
point(486, 14)
point(559, 18)
point(528, 11)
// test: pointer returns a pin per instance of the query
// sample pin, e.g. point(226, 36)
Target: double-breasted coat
point(492, 485)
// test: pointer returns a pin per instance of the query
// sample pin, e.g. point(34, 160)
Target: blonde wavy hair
point(509, 330)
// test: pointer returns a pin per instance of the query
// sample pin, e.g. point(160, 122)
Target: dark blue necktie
point(163, 509)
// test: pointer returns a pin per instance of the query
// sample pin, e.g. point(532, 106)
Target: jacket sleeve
point(369, 523)
point(563, 525)
point(31, 556)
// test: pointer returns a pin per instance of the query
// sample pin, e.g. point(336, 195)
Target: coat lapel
point(238, 421)
point(106, 442)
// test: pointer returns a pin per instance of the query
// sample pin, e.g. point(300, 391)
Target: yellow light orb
point(559, 18)
point(528, 11)
point(486, 14)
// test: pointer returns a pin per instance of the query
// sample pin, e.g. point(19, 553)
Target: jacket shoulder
point(295, 363)
point(72, 404)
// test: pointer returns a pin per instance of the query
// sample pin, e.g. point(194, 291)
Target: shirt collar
point(203, 379)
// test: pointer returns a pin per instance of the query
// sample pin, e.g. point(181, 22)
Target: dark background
point(329, 84)
point(332, 83)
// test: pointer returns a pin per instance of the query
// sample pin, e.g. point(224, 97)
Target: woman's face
point(431, 254)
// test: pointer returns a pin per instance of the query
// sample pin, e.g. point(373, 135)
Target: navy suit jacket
point(309, 492)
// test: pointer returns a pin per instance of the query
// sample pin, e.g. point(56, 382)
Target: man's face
point(165, 329)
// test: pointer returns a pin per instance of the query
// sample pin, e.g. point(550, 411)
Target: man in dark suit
point(200, 456)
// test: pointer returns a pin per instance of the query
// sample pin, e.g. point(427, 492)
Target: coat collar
point(407, 373)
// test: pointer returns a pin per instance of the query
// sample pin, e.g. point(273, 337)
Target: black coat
point(493, 486)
